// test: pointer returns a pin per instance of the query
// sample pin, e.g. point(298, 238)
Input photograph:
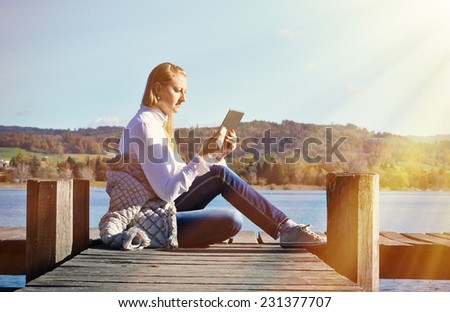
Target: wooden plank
point(198, 264)
point(241, 255)
point(440, 256)
point(57, 223)
point(80, 204)
point(13, 249)
point(144, 271)
point(414, 285)
point(157, 259)
point(94, 234)
point(244, 237)
point(19, 233)
point(394, 254)
point(185, 287)
point(12, 233)
point(49, 225)
point(12, 257)
point(198, 261)
point(191, 284)
point(230, 249)
point(404, 239)
point(443, 235)
point(197, 267)
point(386, 239)
point(428, 238)
point(425, 262)
point(264, 238)
point(136, 287)
point(40, 237)
point(313, 277)
point(217, 268)
point(353, 226)
point(64, 220)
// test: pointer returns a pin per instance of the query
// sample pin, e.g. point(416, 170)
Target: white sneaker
point(300, 236)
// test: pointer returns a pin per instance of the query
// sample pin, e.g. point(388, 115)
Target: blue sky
point(382, 65)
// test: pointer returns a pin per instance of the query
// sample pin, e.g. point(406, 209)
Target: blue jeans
point(201, 227)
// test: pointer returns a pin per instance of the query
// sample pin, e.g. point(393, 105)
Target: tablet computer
point(232, 119)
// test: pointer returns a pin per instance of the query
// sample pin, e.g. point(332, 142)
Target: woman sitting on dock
point(151, 175)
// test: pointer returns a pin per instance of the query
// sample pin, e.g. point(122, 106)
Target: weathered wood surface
point(13, 249)
point(244, 237)
point(221, 267)
point(80, 211)
point(419, 256)
point(401, 255)
point(47, 204)
point(353, 227)
point(414, 285)
point(404, 255)
point(57, 223)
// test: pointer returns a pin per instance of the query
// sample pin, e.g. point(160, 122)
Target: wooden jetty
point(240, 266)
point(402, 255)
point(60, 253)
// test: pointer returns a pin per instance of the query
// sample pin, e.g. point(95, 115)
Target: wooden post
point(80, 215)
point(51, 234)
point(353, 227)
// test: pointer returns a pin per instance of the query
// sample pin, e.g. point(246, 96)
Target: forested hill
point(285, 128)
point(100, 131)
point(283, 153)
point(57, 141)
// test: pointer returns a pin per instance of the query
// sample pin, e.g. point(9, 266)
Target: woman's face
point(172, 95)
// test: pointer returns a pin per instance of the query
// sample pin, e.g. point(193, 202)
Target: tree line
point(22, 167)
point(402, 162)
point(53, 141)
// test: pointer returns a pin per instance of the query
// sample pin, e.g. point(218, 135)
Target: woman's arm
point(168, 177)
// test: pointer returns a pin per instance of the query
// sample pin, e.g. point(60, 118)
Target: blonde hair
point(163, 73)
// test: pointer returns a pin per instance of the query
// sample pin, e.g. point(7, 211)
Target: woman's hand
point(220, 144)
point(215, 144)
point(230, 142)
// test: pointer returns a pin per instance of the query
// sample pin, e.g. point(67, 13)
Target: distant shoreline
point(97, 184)
point(286, 187)
point(102, 184)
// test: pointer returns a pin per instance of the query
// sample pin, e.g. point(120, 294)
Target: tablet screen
point(232, 119)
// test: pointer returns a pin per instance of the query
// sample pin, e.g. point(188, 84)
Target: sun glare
point(409, 62)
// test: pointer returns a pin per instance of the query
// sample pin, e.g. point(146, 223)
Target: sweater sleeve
point(170, 180)
point(168, 177)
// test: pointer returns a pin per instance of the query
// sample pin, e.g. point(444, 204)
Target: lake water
point(409, 211)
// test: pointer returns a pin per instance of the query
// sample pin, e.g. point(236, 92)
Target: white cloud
point(290, 33)
point(108, 121)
